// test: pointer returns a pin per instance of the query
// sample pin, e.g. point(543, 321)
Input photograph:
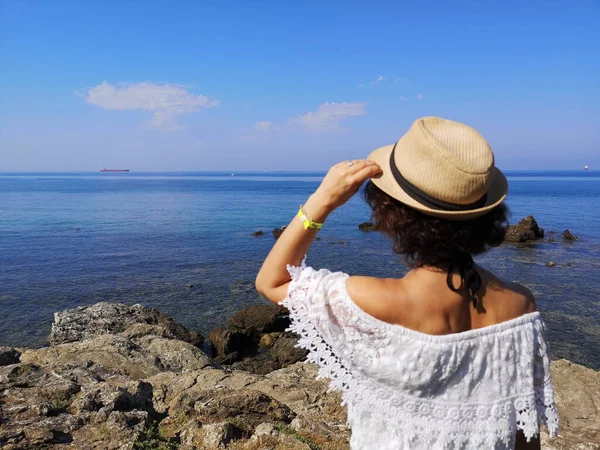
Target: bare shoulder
point(518, 298)
point(372, 295)
point(525, 295)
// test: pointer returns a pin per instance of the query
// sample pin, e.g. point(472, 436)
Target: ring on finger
point(350, 163)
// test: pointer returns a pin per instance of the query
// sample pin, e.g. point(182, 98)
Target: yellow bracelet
point(306, 221)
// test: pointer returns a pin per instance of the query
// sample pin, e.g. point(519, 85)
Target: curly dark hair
point(432, 241)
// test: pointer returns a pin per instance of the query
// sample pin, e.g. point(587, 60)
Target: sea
point(184, 243)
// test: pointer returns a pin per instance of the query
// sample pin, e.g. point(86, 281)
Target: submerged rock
point(526, 230)
point(569, 236)
point(258, 233)
point(277, 232)
point(367, 226)
point(85, 322)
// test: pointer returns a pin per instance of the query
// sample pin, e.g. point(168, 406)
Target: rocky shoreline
point(129, 377)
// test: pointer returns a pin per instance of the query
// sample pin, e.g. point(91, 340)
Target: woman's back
point(421, 301)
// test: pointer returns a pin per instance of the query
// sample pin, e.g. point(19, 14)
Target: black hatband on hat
point(424, 198)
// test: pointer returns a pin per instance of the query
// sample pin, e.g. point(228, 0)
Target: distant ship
point(114, 170)
point(586, 168)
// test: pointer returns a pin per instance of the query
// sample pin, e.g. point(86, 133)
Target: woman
point(449, 356)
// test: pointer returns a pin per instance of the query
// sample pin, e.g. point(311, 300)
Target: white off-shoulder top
point(409, 390)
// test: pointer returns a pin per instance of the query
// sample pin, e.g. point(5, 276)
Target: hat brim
point(387, 183)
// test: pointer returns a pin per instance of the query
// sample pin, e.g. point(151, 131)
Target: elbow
point(261, 285)
point(267, 290)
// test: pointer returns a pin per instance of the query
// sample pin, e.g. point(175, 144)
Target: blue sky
point(291, 85)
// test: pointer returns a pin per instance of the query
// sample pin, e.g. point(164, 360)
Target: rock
point(262, 363)
point(175, 398)
point(33, 391)
point(267, 340)
point(258, 233)
point(259, 319)
point(85, 396)
point(112, 318)
point(227, 341)
point(9, 356)
point(526, 230)
point(251, 340)
point(550, 264)
point(266, 429)
point(251, 407)
point(297, 387)
point(323, 418)
point(111, 395)
point(136, 357)
point(167, 385)
point(277, 232)
point(209, 436)
point(367, 226)
point(285, 350)
point(37, 434)
point(229, 359)
point(223, 401)
point(120, 431)
point(190, 286)
point(42, 407)
point(243, 343)
point(285, 441)
point(187, 433)
point(578, 402)
point(569, 237)
point(91, 395)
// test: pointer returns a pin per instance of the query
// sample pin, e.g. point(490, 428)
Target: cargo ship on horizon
point(114, 170)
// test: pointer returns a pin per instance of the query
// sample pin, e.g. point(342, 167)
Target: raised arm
point(339, 185)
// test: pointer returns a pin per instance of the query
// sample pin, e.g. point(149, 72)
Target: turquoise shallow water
point(144, 238)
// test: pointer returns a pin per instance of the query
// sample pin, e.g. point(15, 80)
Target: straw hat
point(443, 169)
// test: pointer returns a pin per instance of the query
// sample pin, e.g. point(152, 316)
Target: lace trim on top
point(407, 390)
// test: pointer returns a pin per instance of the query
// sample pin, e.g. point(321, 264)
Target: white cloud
point(264, 125)
point(377, 80)
point(419, 96)
point(402, 98)
point(166, 102)
point(328, 116)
